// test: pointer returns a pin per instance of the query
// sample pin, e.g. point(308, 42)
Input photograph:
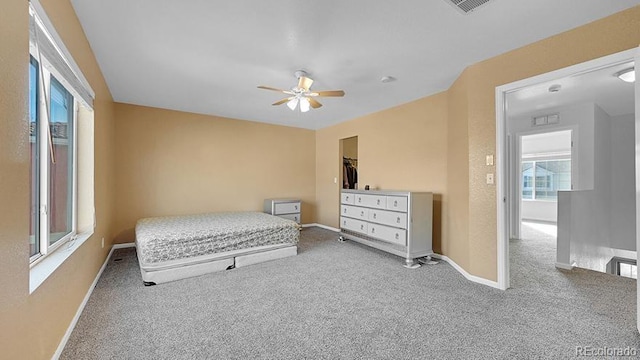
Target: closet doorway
point(349, 161)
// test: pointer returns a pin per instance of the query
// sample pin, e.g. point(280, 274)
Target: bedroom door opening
point(542, 166)
point(597, 116)
point(349, 163)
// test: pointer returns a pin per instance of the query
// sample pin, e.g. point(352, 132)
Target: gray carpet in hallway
point(346, 301)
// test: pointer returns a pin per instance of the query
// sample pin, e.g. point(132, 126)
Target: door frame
point(514, 153)
point(502, 148)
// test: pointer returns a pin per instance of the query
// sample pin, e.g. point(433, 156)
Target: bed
point(177, 247)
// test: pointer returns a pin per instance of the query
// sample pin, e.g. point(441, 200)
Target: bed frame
point(200, 265)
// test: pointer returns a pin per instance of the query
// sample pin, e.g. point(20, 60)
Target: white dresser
point(399, 222)
point(284, 208)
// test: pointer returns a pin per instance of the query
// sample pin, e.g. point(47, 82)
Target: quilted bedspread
point(178, 237)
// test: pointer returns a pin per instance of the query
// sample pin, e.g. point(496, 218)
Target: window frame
point(45, 72)
point(534, 178)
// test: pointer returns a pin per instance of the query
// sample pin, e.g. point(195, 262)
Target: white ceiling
point(601, 87)
point(207, 56)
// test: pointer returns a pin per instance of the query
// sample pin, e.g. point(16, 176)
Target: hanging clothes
point(350, 174)
point(345, 176)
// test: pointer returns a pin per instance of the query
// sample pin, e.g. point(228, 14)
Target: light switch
point(489, 160)
point(335, 180)
point(489, 179)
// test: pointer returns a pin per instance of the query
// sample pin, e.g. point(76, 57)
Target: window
point(60, 116)
point(541, 179)
point(52, 137)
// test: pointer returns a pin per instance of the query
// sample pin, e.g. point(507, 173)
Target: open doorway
point(349, 161)
point(586, 99)
point(544, 168)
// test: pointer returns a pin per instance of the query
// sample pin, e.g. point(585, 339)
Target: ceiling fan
point(302, 95)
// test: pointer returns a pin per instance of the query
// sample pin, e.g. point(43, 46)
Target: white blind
point(43, 37)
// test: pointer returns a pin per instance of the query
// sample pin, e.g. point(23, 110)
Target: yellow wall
point(350, 148)
point(456, 245)
point(173, 163)
point(607, 36)
point(31, 326)
point(405, 148)
point(401, 148)
point(170, 163)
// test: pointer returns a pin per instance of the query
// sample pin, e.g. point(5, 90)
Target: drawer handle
point(397, 236)
point(347, 197)
point(361, 227)
point(344, 210)
point(295, 218)
point(361, 213)
point(374, 215)
point(359, 199)
point(373, 230)
point(344, 222)
point(296, 207)
point(398, 220)
point(395, 203)
point(378, 202)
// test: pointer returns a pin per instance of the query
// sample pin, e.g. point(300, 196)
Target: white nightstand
point(284, 208)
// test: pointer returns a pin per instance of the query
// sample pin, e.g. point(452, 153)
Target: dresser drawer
point(390, 218)
point(373, 201)
point(293, 217)
point(397, 203)
point(287, 208)
point(354, 212)
point(347, 198)
point(389, 234)
point(353, 225)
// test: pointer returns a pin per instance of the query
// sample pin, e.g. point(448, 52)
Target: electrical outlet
point(103, 243)
point(489, 179)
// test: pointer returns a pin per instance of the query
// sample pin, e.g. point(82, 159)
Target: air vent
point(467, 6)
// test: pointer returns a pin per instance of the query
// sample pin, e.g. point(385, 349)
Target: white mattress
point(167, 240)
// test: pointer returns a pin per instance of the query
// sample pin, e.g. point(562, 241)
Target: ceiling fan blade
point(282, 101)
point(337, 93)
point(271, 88)
point(314, 103)
point(305, 83)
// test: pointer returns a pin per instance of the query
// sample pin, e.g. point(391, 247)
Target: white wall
point(540, 210)
point(623, 205)
point(601, 221)
point(578, 118)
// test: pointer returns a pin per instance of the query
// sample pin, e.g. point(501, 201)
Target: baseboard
point(564, 266)
point(476, 279)
point(123, 245)
point(321, 226)
point(74, 322)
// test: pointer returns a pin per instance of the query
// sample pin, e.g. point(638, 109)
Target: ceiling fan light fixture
point(292, 103)
point(627, 75)
point(301, 94)
point(304, 104)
